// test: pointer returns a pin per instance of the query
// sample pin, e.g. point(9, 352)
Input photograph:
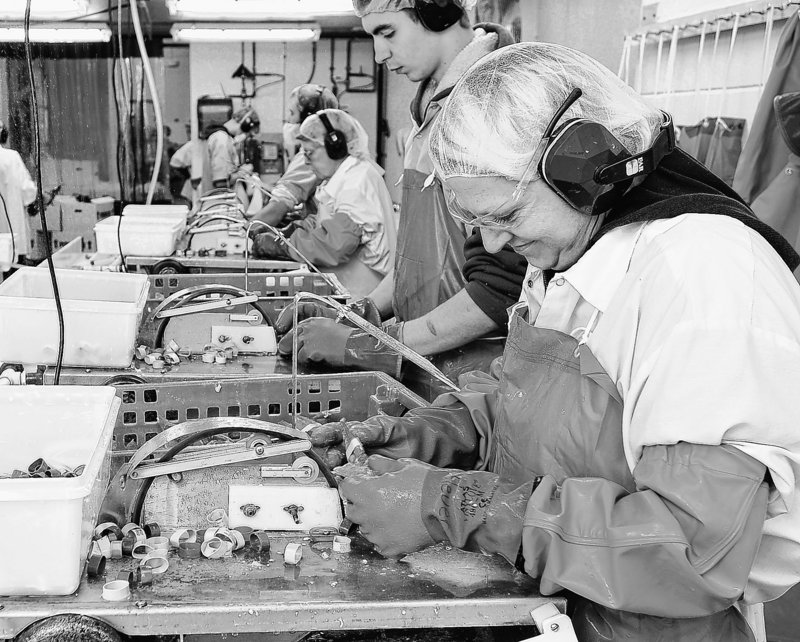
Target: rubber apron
point(578, 433)
point(427, 272)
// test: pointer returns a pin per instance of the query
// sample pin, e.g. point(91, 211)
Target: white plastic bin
point(6, 251)
point(139, 235)
point(102, 313)
point(47, 524)
point(180, 212)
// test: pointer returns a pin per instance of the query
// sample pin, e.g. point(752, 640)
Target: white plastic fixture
point(285, 9)
point(246, 32)
point(68, 32)
point(44, 8)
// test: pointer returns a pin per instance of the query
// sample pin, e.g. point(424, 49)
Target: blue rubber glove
point(389, 507)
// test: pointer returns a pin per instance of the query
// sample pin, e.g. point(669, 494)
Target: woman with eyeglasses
point(637, 445)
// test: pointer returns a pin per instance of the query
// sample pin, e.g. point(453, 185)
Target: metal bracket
point(206, 306)
point(252, 449)
point(554, 625)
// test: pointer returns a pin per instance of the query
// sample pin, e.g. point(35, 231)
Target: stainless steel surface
point(246, 593)
point(213, 263)
point(186, 370)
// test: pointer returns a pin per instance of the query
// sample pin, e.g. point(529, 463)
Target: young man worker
point(448, 296)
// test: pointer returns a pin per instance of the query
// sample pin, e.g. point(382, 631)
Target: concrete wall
point(596, 27)
point(211, 66)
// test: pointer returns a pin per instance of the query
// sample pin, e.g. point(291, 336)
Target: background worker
point(448, 298)
point(17, 190)
point(299, 182)
point(212, 160)
point(637, 444)
point(354, 232)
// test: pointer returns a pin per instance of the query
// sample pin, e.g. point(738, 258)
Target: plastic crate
point(148, 409)
point(102, 313)
point(275, 291)
point(49, 522)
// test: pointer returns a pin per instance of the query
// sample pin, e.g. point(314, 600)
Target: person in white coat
point(17, 190)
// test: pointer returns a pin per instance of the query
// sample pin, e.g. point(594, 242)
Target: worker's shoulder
point(694, 241)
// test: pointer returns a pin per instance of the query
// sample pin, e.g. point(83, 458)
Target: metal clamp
point(249, 450)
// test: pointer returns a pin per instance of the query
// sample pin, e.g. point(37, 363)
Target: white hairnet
point(495, 116)
point(357, 138)
point(363, 7)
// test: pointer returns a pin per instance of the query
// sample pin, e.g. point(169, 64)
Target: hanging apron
point(430, 250)
point(427, 272)
point(560, 414)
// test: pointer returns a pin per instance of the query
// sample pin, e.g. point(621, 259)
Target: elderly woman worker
point(637, 444)
point(298, 183)
point(354, 232)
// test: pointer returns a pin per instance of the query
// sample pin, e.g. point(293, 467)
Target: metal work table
point(439, 587)
point(188, 369)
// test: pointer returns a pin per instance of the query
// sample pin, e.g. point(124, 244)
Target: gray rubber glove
point(365, 308)
point(388, 507)
point(324, 341)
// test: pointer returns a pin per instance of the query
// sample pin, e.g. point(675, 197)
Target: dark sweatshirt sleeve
point(494, 281)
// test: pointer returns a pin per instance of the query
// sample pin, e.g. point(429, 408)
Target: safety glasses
point(499, 217)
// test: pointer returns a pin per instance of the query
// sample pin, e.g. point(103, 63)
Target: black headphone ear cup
point(335, 141)
point(3, 135)
point(576, 152)
point(436, 18)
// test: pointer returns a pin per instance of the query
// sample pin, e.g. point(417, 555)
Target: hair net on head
point(357, 138)
point(363, 7)
point(240, 114)
point(312, 98)
point(496, 114)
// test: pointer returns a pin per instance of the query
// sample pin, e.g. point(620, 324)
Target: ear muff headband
point(311, 105)
point(585, 164)
point(335, 141)
point(436, 18)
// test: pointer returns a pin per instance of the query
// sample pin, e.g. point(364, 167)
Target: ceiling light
point(44, 8)
point(68, 32)
point(244, 32)
point(283, 9)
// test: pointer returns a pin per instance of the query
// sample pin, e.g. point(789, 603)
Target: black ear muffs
point(335, 141)
point(585, 164)
point(3, 134)
point(436, 18)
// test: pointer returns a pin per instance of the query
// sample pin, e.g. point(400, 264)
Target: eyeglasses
point(495, 220)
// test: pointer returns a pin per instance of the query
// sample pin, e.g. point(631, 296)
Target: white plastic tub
point(6, 252)
point(180, 212)
point(102, 313)
point(139, 235)
point(47, 524)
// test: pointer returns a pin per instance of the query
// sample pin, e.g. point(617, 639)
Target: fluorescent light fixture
point(281, 9)
point(44, 8)
point(244, 32)
point(68, 32)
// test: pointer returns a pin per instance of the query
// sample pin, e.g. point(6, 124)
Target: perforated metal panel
point(146, 409)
